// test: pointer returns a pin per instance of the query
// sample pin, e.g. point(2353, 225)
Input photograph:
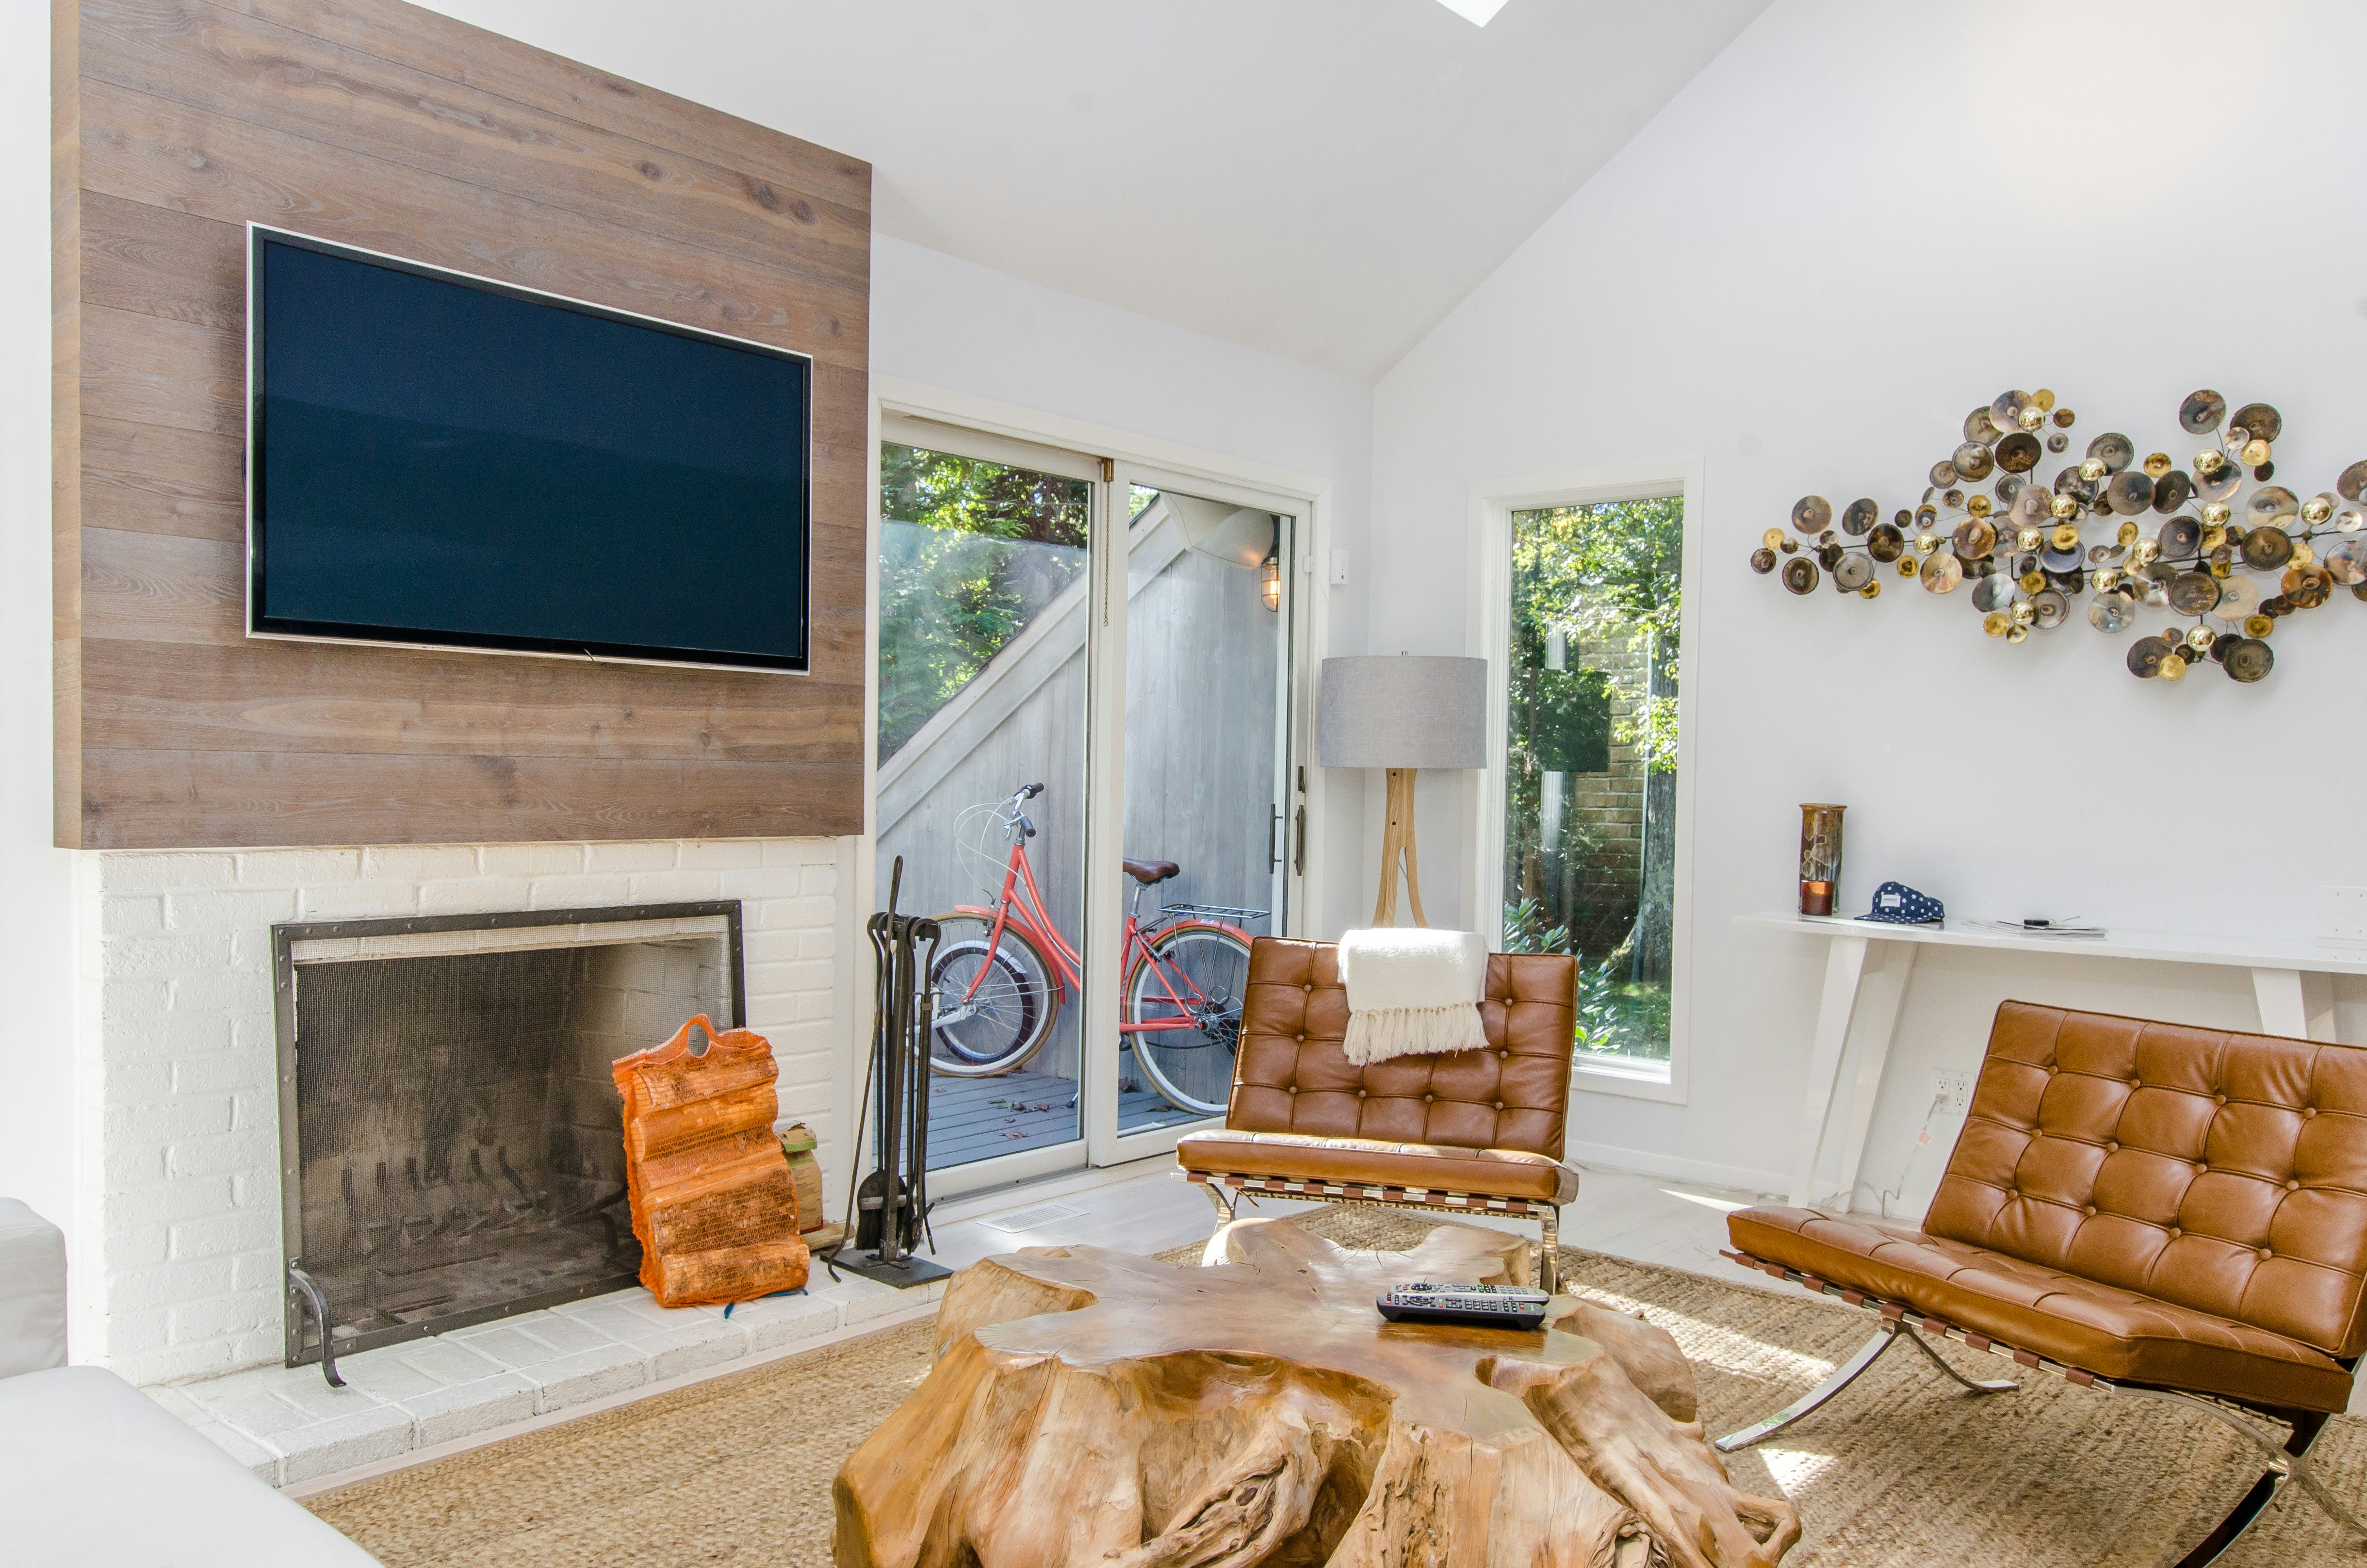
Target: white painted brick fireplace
point(179, 1209)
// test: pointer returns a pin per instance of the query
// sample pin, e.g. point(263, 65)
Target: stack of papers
point(2050, 925)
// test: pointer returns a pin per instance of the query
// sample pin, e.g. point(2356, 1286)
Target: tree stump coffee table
point(1093, 1409)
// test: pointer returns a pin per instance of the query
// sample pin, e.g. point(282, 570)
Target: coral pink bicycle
point(1002, 971)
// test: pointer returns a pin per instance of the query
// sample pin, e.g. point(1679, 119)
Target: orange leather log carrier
point(713, 1203)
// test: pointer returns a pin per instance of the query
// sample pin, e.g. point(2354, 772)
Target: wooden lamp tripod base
point(1397, 840)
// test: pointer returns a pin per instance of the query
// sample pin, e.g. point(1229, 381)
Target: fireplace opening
point(452, 1144)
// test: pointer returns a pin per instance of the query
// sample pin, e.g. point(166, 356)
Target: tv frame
point(291, 631)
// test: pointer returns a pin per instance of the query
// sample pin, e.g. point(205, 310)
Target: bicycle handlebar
point(1030, 793)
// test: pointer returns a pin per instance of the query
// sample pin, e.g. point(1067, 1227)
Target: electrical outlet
point(2342, 915)
point(1952, 1087)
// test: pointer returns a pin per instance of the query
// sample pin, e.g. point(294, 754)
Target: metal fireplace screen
point(456, 1133)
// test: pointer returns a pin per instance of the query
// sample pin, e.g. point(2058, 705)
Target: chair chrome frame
point(2284, 1462)
point(1363, 1195)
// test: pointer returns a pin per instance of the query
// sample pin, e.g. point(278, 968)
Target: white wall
point(37, 1146)
point(1862, 220)
point(958, 327)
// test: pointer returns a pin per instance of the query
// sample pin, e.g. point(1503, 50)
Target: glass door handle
point(1273, 833)
point(1298, 842)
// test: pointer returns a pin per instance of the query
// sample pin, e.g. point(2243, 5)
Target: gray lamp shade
point(1410, 710)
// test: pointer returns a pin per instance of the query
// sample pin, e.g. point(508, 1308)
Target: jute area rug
point(1902, 1468)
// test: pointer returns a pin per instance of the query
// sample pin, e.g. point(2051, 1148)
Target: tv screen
point(439, 459)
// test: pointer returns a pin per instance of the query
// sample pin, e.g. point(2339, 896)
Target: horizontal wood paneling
point(378, 124)
point(309, 797)
point(440, 46)
point(164, 153)
point(238, 67)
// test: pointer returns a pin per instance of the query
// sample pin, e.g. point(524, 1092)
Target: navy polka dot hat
point(1896, 903)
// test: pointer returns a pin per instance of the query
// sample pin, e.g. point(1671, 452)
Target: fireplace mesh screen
point(457, 1132)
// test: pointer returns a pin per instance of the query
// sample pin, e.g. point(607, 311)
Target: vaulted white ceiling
point(1322, 179)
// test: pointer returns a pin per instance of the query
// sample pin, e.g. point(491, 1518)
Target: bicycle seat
point(1147, 873)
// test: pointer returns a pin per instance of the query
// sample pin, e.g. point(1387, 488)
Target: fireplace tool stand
point(894, 1200)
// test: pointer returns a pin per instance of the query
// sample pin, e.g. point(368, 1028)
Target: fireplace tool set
point(890, 1211)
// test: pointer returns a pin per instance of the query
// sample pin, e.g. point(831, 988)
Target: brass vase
point(1820, 856)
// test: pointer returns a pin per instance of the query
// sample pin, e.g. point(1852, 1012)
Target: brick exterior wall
point(1608, 807)
point(179, 1221)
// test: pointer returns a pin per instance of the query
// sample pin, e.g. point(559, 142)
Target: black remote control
point(1477, 1306)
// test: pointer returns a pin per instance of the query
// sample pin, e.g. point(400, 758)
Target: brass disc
point(2263, 423)
point(2248, 660)
point(1812, 514)
point(2266, 550)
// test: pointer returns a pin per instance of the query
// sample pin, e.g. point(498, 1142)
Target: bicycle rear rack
point(1209, 912)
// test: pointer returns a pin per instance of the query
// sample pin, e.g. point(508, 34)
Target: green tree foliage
point(973, 551)
point(1607, 573)
point(1610, 572)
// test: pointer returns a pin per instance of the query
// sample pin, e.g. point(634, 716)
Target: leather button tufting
point(2309, 1112)
point(2089, 1210)
point(2175, 1232)
point(2293, 1187)
point(2202, 1168)
point(1360, 1094)
point(2111, 1148)
point(2218, 1099)
point(1499, 1105)
point(1428, 1099)
point(1294, 1088)
point(2266, 1253)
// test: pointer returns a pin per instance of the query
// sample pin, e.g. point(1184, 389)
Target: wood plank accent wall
point(383, 125)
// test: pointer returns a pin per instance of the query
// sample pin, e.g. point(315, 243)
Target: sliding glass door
point(1206, 834)
point(983, 589)
point(1085, 773)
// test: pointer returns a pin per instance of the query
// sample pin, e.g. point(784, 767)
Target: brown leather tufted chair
point(2141, 1207)
point(1474, 1131)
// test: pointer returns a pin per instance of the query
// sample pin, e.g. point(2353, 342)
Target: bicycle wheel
point(1192, 980)
point(993, 1005)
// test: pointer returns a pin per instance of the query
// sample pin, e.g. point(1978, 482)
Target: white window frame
point(1493, 502)
point(1034, 439)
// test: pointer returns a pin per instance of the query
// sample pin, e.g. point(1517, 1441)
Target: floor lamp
point(1403, 714)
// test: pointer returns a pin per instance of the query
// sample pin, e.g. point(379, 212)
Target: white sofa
point(94, 1471)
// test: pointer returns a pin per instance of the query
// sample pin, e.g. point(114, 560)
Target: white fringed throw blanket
point(1412, 992)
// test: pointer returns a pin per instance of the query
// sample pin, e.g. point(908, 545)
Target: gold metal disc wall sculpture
point(2128, 534)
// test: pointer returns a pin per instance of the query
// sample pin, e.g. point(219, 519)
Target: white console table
point(1867, 962)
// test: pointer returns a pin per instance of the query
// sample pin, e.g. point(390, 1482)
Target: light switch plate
point(1339, 568)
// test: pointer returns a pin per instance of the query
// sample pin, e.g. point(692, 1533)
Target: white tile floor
point(410, 1403)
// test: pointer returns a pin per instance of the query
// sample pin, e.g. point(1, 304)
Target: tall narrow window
point(1591, 774)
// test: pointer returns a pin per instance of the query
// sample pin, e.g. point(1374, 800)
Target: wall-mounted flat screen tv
point(442, 461)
